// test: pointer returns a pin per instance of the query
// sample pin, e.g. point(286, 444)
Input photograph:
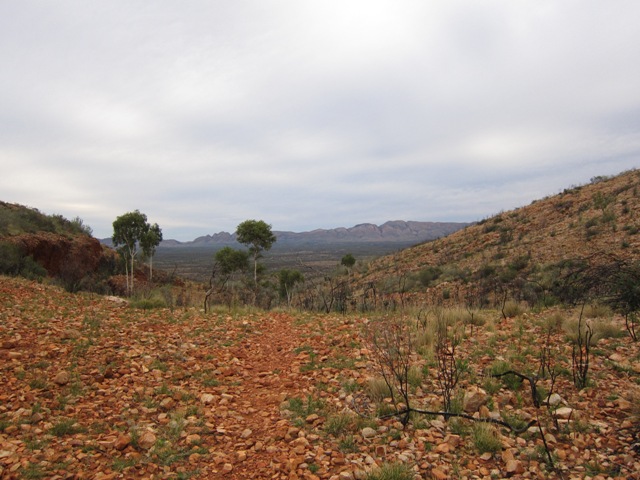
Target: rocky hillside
point(582, 222)
point(35, 244)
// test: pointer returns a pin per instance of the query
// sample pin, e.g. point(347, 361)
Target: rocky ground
point(91, 388)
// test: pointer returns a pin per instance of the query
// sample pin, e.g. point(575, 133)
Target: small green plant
point(491, 385)
point(38, 384)
point(485, 438)
point(163, 389)
point(378, 389)
point(148, 303)
point(510, 381)
point(33, 471)
point(35, 444)
point(120, 464)
point(176, 426)
point(604, 328)
point(511, 309)
point(64, 426)
point(350, 386)
point(414, 376)
point(167, 453)
point(338, 424)
point(210, 382)
point(4, 424)
point(348, 444)
point(158, 365)
point(301, 408)
point(392, 471)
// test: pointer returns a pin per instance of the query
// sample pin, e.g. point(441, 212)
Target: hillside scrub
point(522, 252)
point(232, 394)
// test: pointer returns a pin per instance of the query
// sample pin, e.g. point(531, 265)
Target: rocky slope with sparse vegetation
point(493, 353)
point(591, 222)
point(34, 245)
point(93, 388)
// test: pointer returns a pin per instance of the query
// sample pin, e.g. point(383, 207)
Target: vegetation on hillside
point(527, 254)
point(17, 220)
point(509, 349)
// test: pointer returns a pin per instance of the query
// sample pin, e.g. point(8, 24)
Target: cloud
point(311, 114)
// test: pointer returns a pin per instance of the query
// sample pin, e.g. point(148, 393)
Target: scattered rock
point(474, 398)
point(147, 440)
point(616, 357)
point(62, 378)
point(368, 432)
point(312, 418)
point(555, 400)
point(514, 467)
point(207, 398)
point(122, 442)
point(623, 404)
point(564, 413)
point(438, 474)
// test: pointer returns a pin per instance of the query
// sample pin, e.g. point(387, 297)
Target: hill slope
point(582, 222)
point(34, 244)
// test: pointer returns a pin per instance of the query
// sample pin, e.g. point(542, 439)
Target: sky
point(311, 114)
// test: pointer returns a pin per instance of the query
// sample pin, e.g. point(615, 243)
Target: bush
point(14, 262)
point(338, 424)
point(148, 303)
point(554, 323)
point(485, 438)
point(429, 275)
point(392, 471)
point(511, 309)
point(596, 310)
point(603, 328)
point(378, 389)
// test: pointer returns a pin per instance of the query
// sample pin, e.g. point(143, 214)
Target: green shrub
point(596, 310)
point(378, 389)
point(486, 438)
point(603, 328)
point(510, 381)
point(554, 323)
point(392, 471)
point(429, 275)
point(414, 376)
point(511, 309)
point(65, 426)
point(14, 262)
point(348, 444)
point(148, 303)
point(338, 424)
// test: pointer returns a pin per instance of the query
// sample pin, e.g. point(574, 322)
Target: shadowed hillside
point(34, 245)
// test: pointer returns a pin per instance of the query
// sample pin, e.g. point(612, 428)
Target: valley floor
point(91, 388)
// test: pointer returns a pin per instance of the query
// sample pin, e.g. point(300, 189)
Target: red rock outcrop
point(60, 254)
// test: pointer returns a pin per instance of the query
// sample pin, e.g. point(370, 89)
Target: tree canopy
point(257, 235)
point(131, 231)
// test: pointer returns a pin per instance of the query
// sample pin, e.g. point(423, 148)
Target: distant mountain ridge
point(395, 231)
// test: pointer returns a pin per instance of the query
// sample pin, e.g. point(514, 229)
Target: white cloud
point(311, 114)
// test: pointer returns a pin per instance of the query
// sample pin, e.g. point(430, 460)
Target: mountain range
point(396, 231)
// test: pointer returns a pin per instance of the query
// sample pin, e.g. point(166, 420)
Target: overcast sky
point(311, 114)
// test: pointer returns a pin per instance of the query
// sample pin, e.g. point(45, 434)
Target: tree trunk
point(132, 275)
point(255, 269)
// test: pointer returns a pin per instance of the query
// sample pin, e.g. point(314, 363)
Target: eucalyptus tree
point(257, 235)
point(149, 242)
point(130, 234)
